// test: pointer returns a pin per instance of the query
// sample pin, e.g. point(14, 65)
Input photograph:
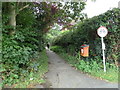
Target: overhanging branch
point(23, 7)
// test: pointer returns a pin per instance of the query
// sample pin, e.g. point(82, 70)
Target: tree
point(13, 9)
point(63, 14)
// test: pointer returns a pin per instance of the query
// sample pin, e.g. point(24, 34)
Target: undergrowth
point(91, 67)
point(41, 66)
point(31, 75)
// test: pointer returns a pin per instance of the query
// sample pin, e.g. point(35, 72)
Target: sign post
point(102, 32)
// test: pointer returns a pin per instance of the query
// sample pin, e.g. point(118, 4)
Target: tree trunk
point(12, 18)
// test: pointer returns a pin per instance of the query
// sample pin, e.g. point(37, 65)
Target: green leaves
point(86, 31)
point(20, 48)
point(2, 68)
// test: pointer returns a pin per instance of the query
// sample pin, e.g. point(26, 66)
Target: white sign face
point(102, 31)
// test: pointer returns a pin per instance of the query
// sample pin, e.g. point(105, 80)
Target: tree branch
point(23, 7)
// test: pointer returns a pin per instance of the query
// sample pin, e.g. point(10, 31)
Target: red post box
point(84, 50)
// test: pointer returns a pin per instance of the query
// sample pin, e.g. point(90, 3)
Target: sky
point(99, 7)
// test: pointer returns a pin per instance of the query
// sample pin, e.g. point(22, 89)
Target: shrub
point(86, 32)
point(56, 49)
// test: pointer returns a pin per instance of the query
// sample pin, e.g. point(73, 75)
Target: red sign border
point(102, 27)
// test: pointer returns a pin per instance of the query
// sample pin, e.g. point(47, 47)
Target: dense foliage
point(24, 26)
point(19, 49)
point(54, 32)
point(86, 32)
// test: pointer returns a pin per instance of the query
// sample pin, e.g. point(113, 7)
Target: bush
point(34, 73)
point(15, 54)
point(20, 44)
point(14, 59)
point(57, 49)
point(18, 61)
point(18, 53)
point(86, 32)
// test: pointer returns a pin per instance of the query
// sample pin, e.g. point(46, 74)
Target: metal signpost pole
point(103, 48)
point(102, 32)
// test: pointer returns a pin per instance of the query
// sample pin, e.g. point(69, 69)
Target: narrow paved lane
point(62, 75)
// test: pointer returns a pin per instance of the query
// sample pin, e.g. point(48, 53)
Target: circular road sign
point(102, 31)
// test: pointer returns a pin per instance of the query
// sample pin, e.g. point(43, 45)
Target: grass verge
point(35, 77)
point(92, 68)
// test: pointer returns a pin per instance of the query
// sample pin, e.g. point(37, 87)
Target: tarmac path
point(62, 75)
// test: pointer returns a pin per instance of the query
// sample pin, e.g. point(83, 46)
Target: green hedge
point(86, 32)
